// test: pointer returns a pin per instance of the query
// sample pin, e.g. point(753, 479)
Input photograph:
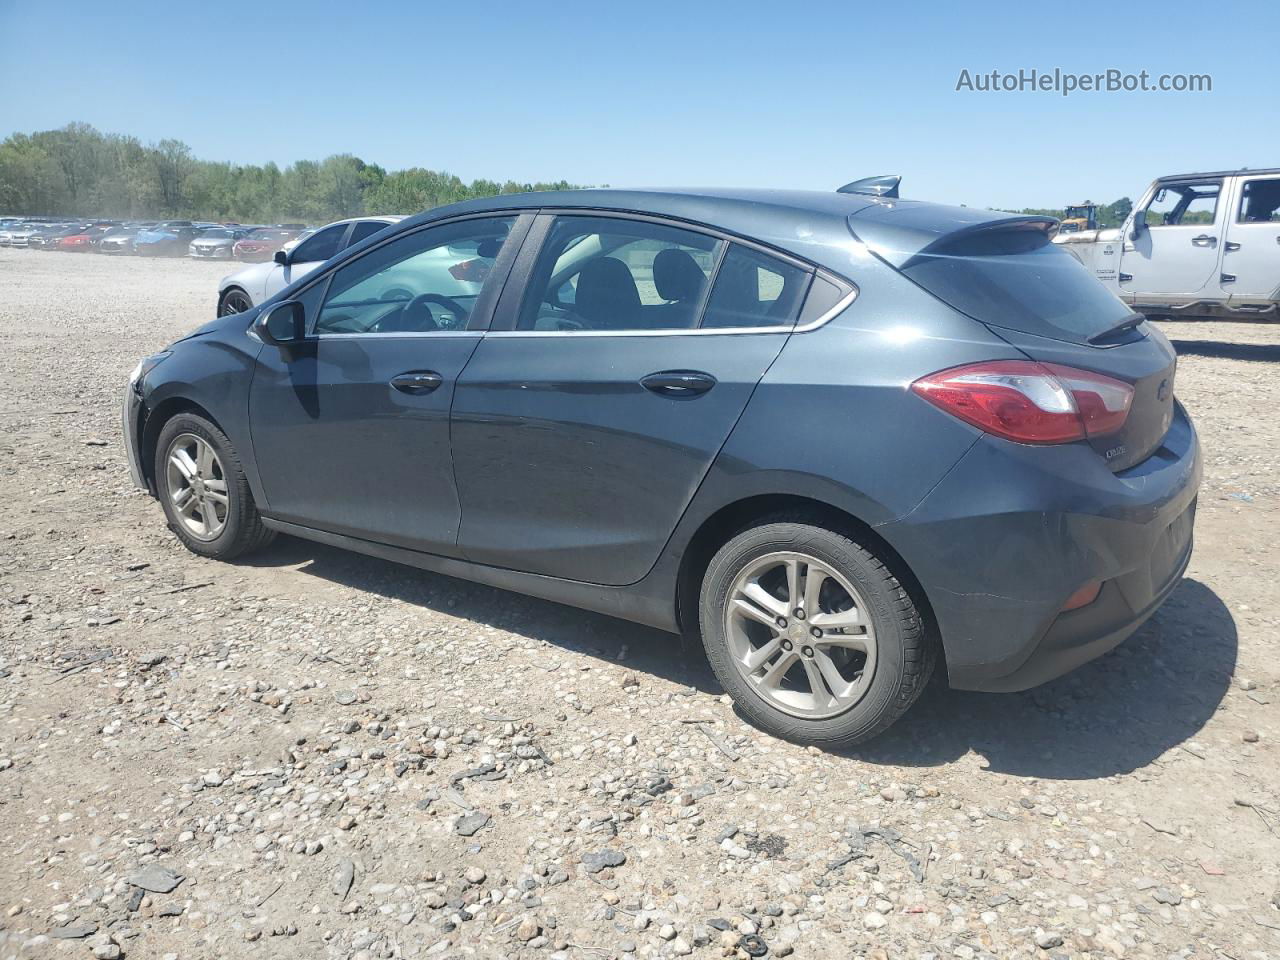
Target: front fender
point(211, 372)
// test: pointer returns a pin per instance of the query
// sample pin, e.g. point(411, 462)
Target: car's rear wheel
point(234, 300)
point(203, 490)
point(811, 634)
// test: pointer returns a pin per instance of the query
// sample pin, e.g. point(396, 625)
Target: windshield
point(217, 235)
point(1005, 281)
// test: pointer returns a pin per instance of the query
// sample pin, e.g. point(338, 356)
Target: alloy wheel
point(234, 302)
point(197, 486)
point(801, 634)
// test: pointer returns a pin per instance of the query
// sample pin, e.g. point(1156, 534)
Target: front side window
point(424, 282)
point(321, 246)
point(1184, 204)
point(605, 274)
point(754, 289)
point(1260, 202)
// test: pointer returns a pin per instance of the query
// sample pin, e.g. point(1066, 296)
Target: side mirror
point(282, 325)
point(1139, 224)
point(281, 258)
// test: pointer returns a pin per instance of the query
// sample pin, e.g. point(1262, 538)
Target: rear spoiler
point(897, 233)
point(1011, 235)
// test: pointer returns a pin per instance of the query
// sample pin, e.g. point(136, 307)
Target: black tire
point(234, 300)
point(905, 654)
point(243, 530)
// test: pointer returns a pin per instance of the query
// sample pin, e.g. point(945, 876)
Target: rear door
point(624, 351)
point(1175, 255)
point(1251, 260)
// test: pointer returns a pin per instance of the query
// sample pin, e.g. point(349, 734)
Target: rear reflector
point(1084, 596)
point(1030, 402)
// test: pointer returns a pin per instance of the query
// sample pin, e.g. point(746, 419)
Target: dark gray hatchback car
point(839, 435)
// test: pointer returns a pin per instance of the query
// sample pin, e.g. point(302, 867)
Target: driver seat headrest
point(607, 295)
point(677, 276)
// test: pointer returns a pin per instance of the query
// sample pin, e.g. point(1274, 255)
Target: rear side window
point(1260, 202)
point(755, 290)
point(1017, 279)
point(605, 274)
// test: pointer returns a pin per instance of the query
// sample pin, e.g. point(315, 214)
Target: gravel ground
point(314, 754)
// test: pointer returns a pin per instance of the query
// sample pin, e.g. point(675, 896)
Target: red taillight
point(1030, 402)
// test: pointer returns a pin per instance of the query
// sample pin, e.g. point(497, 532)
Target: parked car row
point(151, 238)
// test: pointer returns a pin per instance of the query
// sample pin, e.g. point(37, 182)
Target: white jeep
point(1196, 245)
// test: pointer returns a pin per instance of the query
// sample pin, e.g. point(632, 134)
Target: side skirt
point(627, 603)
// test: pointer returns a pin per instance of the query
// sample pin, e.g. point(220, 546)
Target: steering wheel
point(419, 305)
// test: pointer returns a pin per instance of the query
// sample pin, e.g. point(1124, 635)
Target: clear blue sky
point(741, 93)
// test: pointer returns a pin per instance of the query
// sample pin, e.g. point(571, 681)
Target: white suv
point(1196, 245)
point(249, 287)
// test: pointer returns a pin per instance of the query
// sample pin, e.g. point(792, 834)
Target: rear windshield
point(1021, 282)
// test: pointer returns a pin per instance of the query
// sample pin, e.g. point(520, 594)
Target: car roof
point(812, 224)
point(1243, 172)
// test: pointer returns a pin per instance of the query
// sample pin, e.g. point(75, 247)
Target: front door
point(351, 429)
point(582, 431)
point(1251, 261)
point(1176, 252)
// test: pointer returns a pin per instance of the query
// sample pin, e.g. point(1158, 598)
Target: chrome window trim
point(408, 334)
point(725, 331)
point(842, 305)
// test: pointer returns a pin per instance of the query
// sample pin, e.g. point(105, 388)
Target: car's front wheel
point(203, 490)
point(811, 634)
point(234, 300)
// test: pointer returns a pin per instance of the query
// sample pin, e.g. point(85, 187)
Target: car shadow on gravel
point(1112, 716)
point(642, 648)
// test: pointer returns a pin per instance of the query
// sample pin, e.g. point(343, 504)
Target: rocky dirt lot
point(320, 755)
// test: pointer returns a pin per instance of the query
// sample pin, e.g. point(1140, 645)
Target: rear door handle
point(1204, 240)
point(417, 382)
point(678, 383)
point(1231, 246)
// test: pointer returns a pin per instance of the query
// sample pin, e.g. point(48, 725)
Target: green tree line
point(79, 171)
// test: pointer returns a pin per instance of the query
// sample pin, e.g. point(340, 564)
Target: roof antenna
point(886, 186)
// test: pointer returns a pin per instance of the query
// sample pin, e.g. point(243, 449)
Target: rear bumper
point(1013, 531)
point(1078, 637)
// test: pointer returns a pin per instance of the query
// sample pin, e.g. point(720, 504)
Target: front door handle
point(678, 383)
point(1204, 240)
point(417, 382)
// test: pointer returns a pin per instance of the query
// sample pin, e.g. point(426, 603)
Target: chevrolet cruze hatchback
point(842, 437)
